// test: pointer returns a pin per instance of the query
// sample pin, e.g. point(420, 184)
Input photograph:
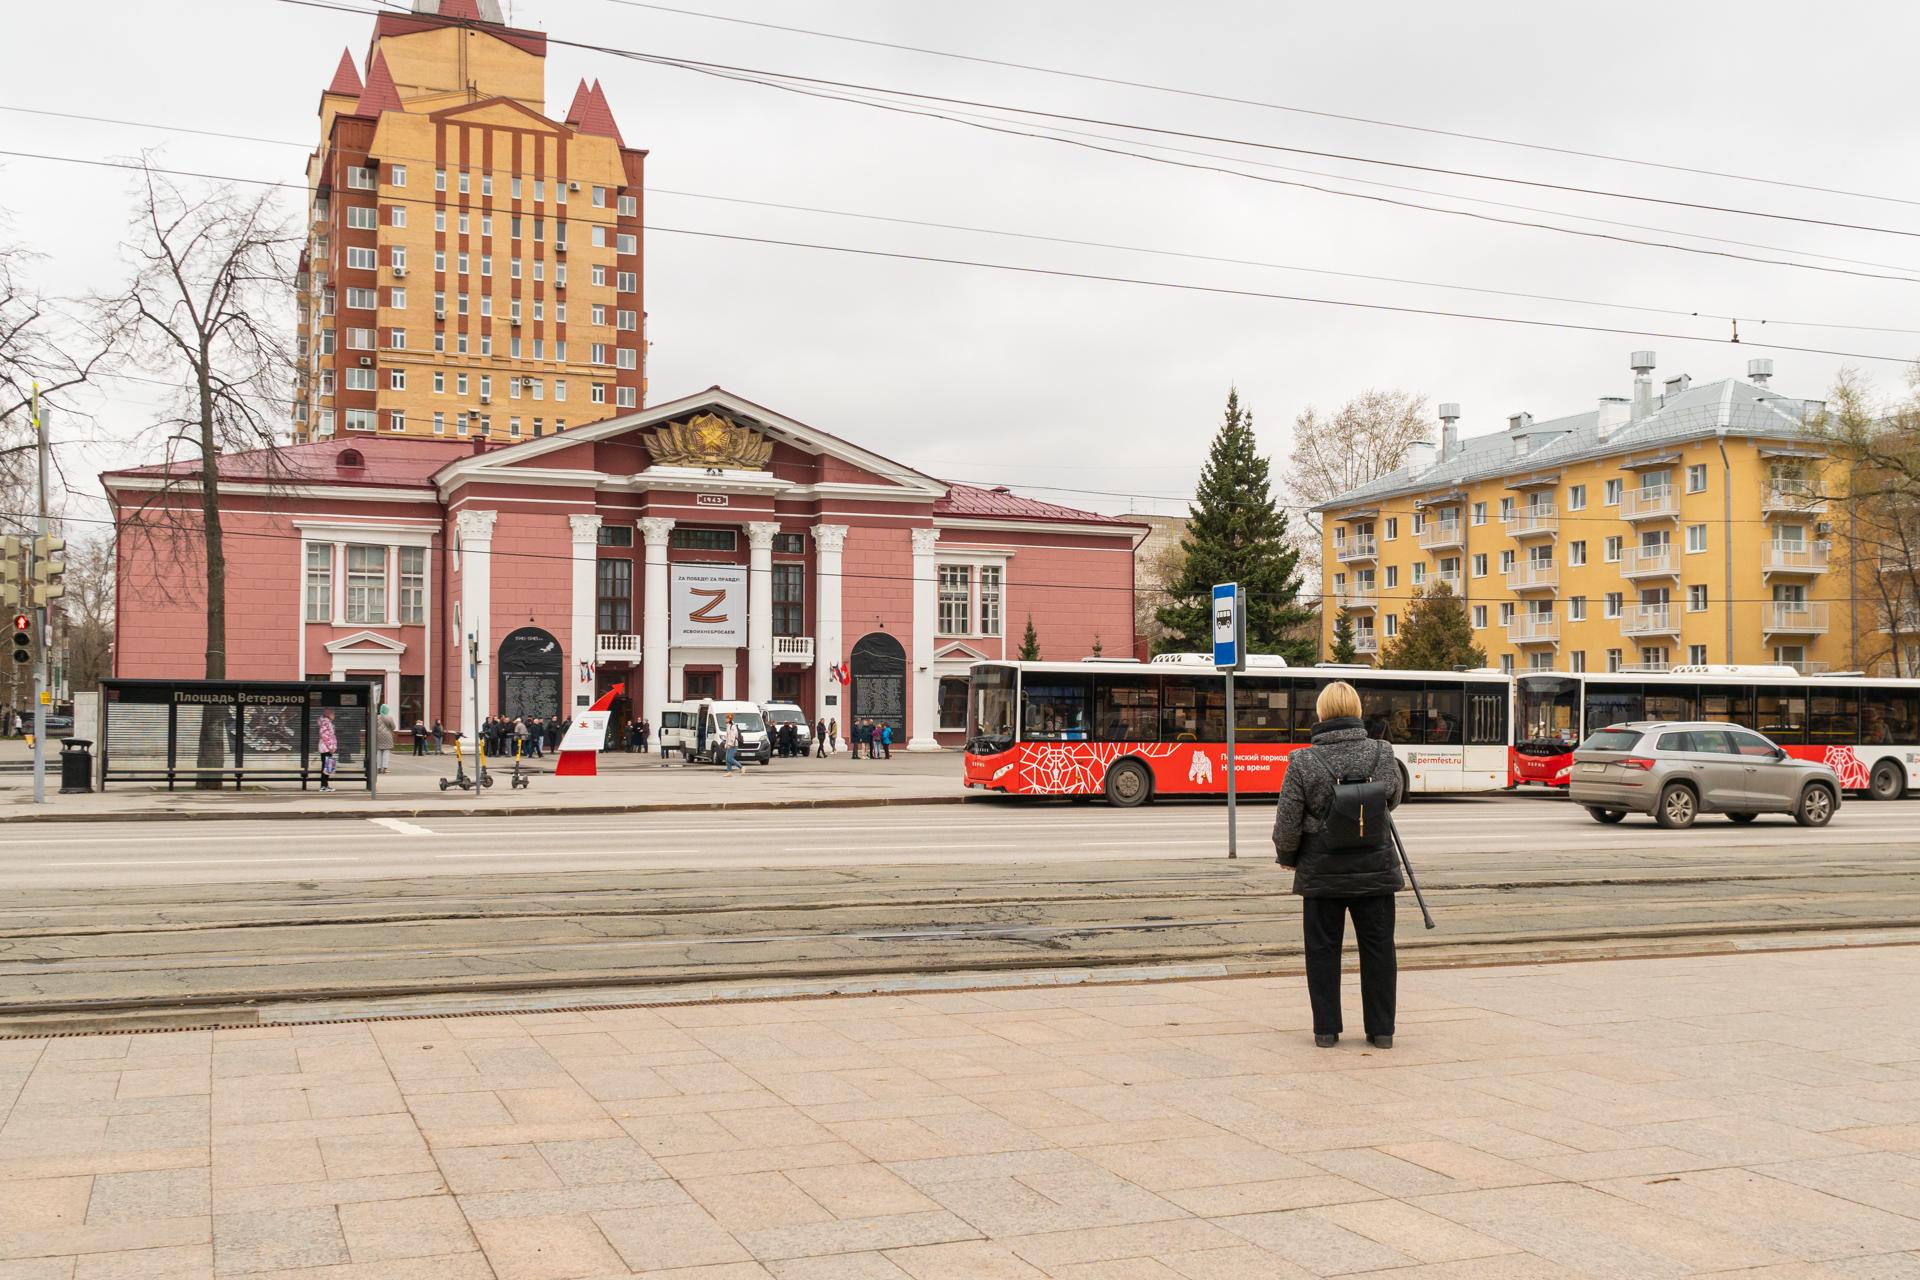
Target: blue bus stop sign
point(1229, 628)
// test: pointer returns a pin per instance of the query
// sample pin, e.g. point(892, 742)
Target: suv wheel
point(1608, 816)
point(1815, 808)
point(1678, 806)
point(1128, 784)
point(1889, 781)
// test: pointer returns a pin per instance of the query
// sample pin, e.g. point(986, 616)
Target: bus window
point(1834, 718)
point(1260, 709)
point(1781, 714)
point(1193, 709)
point(1305, 697)
point(1442, 727)
point(1611, 704)
point(1487, 716)
point(1391, 710)
point(1889, 715)
point(1056, 707)
point(990, 719)
point(1727, 704)
point(1668, 702)
point(1546, 723)
point(1126, 708)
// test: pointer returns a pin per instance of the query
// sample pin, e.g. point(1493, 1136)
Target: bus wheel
point(1129, 784)
point(1889, 781)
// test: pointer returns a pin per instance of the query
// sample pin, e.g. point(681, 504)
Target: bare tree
point(86, 611)
point(40, 348)
point(1872, 486)
point(209, 307)
point(1362, 440)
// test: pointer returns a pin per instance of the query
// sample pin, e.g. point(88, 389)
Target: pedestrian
point(886, 741)
point(833, 736)
point(439, 736)
point(731, 742)
point(646, 731)
point(419, 732)
point(384, 730)
point(820, 739)
point(1339, 870)
point(663, 743)
point(520, 736)
point(329, 749)
point(787, 739)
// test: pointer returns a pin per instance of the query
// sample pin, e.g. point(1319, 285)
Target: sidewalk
point(626, 783)
point(1754, 1115)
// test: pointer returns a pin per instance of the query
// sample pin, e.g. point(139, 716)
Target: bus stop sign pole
point(1229, 656)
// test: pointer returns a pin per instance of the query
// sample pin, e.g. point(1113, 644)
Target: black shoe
point(1325, 1042)
point(1380, 1042)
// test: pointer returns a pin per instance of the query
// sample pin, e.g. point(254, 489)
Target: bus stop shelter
point(212, 732)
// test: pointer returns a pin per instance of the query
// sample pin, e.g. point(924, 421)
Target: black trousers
point(1324, 922)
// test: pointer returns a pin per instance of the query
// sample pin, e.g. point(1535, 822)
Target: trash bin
point(76, 766)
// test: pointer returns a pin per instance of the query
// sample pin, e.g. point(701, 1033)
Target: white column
point(829, 540)
point(586, 543)
point(921, 711)
point(474, 536)
point(653, 627)
point(760, 610)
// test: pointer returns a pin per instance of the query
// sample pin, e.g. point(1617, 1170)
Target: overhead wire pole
point(39, 612)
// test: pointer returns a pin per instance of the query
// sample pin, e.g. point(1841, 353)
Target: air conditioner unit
point(366, 362)
point(440, 314)
point(560, 247)
point(486, 399)
point(573, 186)
point(515, 322)
point(400, 273)
point(1823, 528)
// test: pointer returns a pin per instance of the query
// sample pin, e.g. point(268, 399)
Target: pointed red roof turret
point(582, 99)
point(380, 93)
point(346, 78)
point(598, 117)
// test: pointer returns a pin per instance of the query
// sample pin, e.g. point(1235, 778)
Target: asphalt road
point(235, 920)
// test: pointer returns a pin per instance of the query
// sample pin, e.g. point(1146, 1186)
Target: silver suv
point(1677, 771)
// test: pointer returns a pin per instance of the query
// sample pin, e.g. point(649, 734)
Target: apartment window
point(598, 275)
point(363, 260)
point(629, 206)
point(440, 220)
point(704, 539)
point(439, 423)
point(396, 215)
point(1696, 538)
point(1614, 490)
point(597, 313)
point(1506, 664)
point(626, 358)
point(486, 184)
point(460, 339)
point(486, 386)
point(626, 397)
point(397, 257)
point(1480, 565)
point(1479, 617)
point(362, 217)
point(1697, 654)
point(326, 342)
point(439, 179)
point(460, 308)
point(486, 264)
point(1577, 552)
point(989, 599)
point(440, 261)
point(1393, 576)
point(1506, 562)
point(397, 339)
point(599, 197)
point(486, 306)
point(599, 353)
point(460, 263)
point(559, 388)
point(614, 597)
point(956, 599)
point(1576, 608)
point(396, 420)
point(359, 178)
point(1506, 613)
point(397, 174)
point(1697, 478)
point(440, 381)
point(361, 420)
point(628, 281)
point(397, 298)
point(363, 299)
point(359, 379)
point(597, 236)
point(1579, 658)
point(320, 582)
point(460, 384)
point(1576, 497)
point(1697, 598)
point(789, 596)
point(396, 379)
point(1612, 606)
point(1654, 657)
point(460, 424)
point(513, 427)
point(1391, 531)
point(1612, 549)
point(629, 245)
point(1393, 626)
point(1479, 513)
point(366, 584)
point(516, 189)
point(1613, 659)
point(513, 268)
point(630, 321)
point(486, 224)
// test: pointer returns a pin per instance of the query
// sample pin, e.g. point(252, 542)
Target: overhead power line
point(1293, 108)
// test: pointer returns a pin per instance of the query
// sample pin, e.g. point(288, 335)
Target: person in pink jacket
point(329, 749)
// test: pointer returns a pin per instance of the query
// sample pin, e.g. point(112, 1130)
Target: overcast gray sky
point(986, 376)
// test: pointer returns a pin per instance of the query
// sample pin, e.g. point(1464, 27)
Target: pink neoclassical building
point(703, 547)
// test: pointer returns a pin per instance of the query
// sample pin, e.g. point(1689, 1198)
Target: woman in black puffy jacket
point(1335, 884)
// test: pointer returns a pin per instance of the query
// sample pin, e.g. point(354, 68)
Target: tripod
point(1400, 847)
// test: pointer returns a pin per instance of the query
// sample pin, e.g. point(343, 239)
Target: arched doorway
point(531, 674)
point(880, 682)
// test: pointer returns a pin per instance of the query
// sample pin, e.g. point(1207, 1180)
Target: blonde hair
point(1336, 700)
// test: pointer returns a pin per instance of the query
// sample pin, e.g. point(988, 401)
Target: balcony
point(1533, 628)
point(1532, 575)
point(1794, 617)
point(1357, 598)
point(793, 651)
point(1794, 557)
point(616, 647)
point(1534, 521)
point(1367, 641)
point(1348, 550)
point(1438, 534)
point(1650, 620)
point(1791, 497)
point(1905, 622)
point(1451, 581)
point(1655, 502)
point(1650, 562)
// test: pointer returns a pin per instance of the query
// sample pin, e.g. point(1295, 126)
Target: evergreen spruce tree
point(1433, 635)
point(1342, 650)
point(1030, 643)
point(1235, 533)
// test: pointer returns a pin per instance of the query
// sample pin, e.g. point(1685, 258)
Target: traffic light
point(10, 574)
point(48, 568)
point(22, 642)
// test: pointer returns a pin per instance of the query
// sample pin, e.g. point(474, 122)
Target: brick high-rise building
point(472, 266)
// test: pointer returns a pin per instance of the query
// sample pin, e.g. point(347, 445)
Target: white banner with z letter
point(709, 604)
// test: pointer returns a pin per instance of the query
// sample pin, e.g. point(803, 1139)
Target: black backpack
point(1356, 822)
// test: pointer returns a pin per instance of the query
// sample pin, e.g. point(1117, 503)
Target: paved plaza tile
point(1751, 1115)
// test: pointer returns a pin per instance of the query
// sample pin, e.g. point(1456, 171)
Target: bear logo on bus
point(1200, 771)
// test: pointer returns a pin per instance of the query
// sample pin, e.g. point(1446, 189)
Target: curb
point(532, 811)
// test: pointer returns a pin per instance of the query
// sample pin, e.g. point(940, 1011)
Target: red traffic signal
point(20, 622)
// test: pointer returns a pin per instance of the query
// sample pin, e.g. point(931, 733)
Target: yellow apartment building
point(1681, 525)
point(472, 266)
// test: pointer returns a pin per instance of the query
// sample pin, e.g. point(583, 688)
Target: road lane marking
point(201, 862)
point(403, 828)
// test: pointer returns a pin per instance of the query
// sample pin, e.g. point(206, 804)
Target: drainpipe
point(1726, 534)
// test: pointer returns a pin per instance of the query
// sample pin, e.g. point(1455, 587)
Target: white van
point(694, 728)
point(780, 713)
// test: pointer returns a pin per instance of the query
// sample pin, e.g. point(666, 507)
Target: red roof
point(387, 462)
point(598, 116)
point(380, 93)
point(582, 99)
point(1001, 504)
point(346, 77)
point(466, 9)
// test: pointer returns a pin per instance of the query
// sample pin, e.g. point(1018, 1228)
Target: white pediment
point(365, 642)
point(958, 652)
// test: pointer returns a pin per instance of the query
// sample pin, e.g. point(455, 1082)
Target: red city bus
point(1866, 729)
point(1130, 731)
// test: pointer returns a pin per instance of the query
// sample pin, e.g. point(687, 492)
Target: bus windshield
point(1548, 720)
point(990, 718)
